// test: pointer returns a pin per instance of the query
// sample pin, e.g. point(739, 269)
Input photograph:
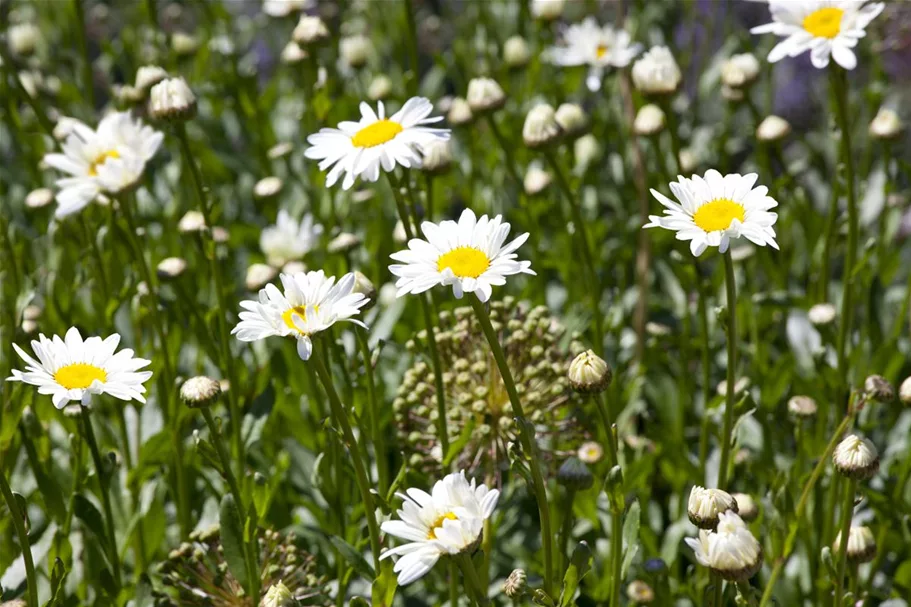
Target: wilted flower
point(200, 391)
point(198, 574)
point(705, 505)
point(516, 52)
point(773, 128)
point(476, 396)
point(861, 544)
point(856, 458)
point(649, 120)
point(356, 50)
point(740, 70)
point(657, 73)
point(730, 551)
point(886, 124)
point(541, 128)
point(485, 95)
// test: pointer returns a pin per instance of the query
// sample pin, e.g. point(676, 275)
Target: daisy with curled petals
point(73, 369)
point(469, 255)
point(714, 209)
point(108, 160)
point(599, 47)
point(362, 148)
point(312, 302)
point(448, 520)
point(826, 28)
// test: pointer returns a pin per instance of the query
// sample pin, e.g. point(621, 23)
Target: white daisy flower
point(73, 369)
point(823, 27)
point(360, 149)
point(469, 255)
point(599, 47)
point(730, 551)
point(715, 208)
point(108, 160)
point(312, 302)
point(448, 520)
point(289, 240)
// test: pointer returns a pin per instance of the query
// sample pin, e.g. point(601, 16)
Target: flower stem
point(731, 284)
point(379, 446)
point(507, 151)
point(471, 577)
point(105, 494)
point(607, 419)
point(360, 471)
point(847, 513)
point(19, 523)
point(526, 436)
point(88, 82)
point(587, 255)
point(33, 102)
point(616, 555)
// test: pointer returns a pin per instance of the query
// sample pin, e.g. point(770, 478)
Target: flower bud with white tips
point(773, 128)
point(587, 150)
point(547, 10)
point(878, 388)
point(861, 544)
point(172, 100)
point(258, 275)
point(572, 119)
point(650, 120)
point(536, 180)
point(171, 267)
point(24, 39)
point(39, 198)
point(541, 128)
point(380, 88)
point(437, 157)
point(856, 458)
point(192, 221)
point(148, 76)
point(589, 373)
point(516, 584)
point(278, 595)
point(200, 391)
point(310, 30)
point(485, 95)
point(802, 407)
point(904, 391)
point(746, 506)
point(740, 70)
point(731, 551)
point(356, 50)
point(822, 314)
point(516, 52)
point(886, 124)
point(656, 72)
point(705, 505)
point(459, 112)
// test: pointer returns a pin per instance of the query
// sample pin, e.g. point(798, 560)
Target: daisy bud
point(802, 407)
point(184, 44)
point(878, 389)
point(356, 50)
point(590, 452)
point(746, 506)
point(740, 386)
point(294, 267)
point(516, 584)
point(572, 119)
point(536, 180)
point(268, 187)
point(589, 373)
point(547, 10)
point(856, 458)
point(171, 267)
point(398, 232)
point(379, 88)
point(259, 275)
point(293, 54)
point(310, 30)
point(705, 505)
point(343, 243)
point(278, 595)
point(587, 150)
point(437, 158)
point(773, 128)
point(459, 112)
point(657, 73)
point(364, 286)
point(515, 52)
point(541, 128)
point(574, 474)
point(649, 120)
point(640, 593)
point(740, 70)
point(688, 160)
point(39, 198)
point(886, 124)
point(904, 391)
point(485, 95)
point(200, 391)
point(730, 551)
point(730, 93)
point(821, 314)
point(148, 76)
point(128, 95)
point(192, 221)
point(172, 100)
point(280, 150)
point(24, 39)
point(861, 544)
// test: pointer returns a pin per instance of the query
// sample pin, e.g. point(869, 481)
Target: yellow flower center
point(601, 51)
point(79, 376)
point(289, 314)
point(824, 23)
point(100, 160)
point(379, 132)
point(718, 214)
point(438, 524)
point(465, 262)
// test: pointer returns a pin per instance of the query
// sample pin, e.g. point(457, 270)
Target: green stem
point(607, 419)
point(847, 513)
point(379, 444)
point(88, 82)
point(587, 255)
point(19, 523)
point(360, 471)
point(473, 582)
point(507, 152)
point(33, 102)
point(731, 285)
point(400, 204)
point(527, 439)
point(718, 600)
point(616, 555)
point(428, 179)
point(706, 363)
point(105, 494)
point(567, 527)
point(413, 52)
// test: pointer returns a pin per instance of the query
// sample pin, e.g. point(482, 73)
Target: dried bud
point(200, 391)
point(856, 458)
point(589, 373)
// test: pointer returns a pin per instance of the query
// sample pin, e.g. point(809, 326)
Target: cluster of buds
point(198, 575)
point(476, 398)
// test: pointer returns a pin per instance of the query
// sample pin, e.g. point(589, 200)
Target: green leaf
point(232, 538)
point(579, 565)
point(630, 537)
point(384, 587)
point(90, 516)
point(455, 448)
point(58, 575)
point(353, 557)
